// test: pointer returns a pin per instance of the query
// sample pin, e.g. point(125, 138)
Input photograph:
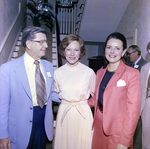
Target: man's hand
point(120, 146)
point(5, 143)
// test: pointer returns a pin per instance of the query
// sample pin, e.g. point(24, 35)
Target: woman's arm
point(92, 82)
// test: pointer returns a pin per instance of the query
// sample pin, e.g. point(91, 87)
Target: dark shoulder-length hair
point(121, 37)
point(67, 40)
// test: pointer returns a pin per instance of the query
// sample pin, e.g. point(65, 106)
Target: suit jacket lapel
point(22, 75)
point(117, 75)
point(20, 71)
point(140, 61)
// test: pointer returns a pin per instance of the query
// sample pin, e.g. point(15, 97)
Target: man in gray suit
point(145, 105)
point(137, 60)
point(24, 123)
point(134, 54)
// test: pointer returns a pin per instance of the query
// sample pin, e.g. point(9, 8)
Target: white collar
point(137, 60)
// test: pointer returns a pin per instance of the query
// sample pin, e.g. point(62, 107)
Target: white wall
point(9, 9)
point(11, 19)
point(137, 16)
point(91, 50)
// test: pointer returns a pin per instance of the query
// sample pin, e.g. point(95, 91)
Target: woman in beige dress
point(75, 83)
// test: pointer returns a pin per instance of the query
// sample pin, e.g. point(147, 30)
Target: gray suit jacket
point(140, 63)
point(144, 79)
point(16, 107)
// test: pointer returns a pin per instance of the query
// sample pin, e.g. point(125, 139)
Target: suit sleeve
point(4, 101)
point(133, 104)
point(144, 87)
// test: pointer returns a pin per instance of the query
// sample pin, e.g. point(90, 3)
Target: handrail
point(69, 17)
point(8, 33)
point(58, 38)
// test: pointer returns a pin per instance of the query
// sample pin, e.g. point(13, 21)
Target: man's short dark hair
point(29, 33)
point(136, 48)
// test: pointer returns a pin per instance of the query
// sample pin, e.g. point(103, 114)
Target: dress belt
point(78, 106)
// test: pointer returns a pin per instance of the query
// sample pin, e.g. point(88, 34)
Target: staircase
point(54, 52)
point(70, 18)
point(19, 50)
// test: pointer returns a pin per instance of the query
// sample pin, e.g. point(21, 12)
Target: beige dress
point(74, 117)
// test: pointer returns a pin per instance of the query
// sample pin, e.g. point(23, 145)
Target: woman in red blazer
point(117, 98)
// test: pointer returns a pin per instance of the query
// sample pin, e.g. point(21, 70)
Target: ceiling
point(100, 18)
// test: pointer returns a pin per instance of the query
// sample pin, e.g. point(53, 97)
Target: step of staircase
point(54, 52)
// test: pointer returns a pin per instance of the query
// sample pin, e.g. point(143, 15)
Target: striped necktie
point(40, 86)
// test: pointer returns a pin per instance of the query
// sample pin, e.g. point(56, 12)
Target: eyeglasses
point(130, 53)
point(41, 42)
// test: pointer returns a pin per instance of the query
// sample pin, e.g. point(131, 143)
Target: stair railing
point(69, 17)
point(58, 38)
point(80, 10)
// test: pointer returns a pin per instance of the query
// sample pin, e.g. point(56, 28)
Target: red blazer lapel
point(117, 75)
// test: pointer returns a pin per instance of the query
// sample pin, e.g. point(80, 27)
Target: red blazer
point(121, 102)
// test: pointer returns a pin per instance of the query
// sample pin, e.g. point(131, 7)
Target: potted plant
point(40, 14)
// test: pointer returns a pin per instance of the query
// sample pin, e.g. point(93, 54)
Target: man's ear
point(28, 44)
